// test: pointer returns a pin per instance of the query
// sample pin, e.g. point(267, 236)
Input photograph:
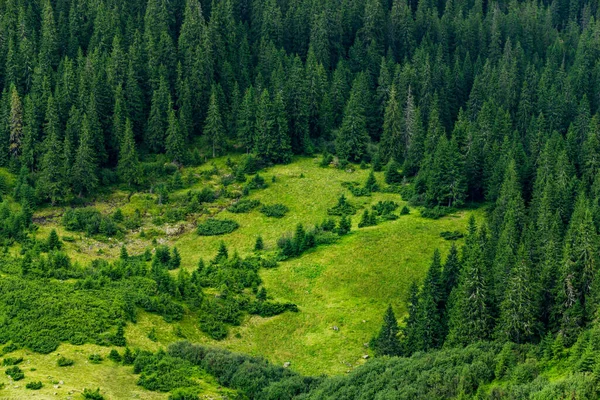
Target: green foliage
point(243, 206)
point(12, 361)
point(34, 385)
point(90, 221)
point(386, 343)
point(343, 208)
point(214, 227)
point(454, 235)
point(95, 358)
point(274, 210)
point(114, 356)
point(15, 373)
point(90, 394)
point(64, 362)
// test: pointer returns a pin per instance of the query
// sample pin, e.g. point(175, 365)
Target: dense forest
point(463, 103)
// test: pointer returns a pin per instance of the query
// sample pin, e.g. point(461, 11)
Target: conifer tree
point(157, 122)
point(175, 145)
point(470, 317)
point(392, 173)
point(352, 137)
point(51, 179)
point(371, 183)
point(83, 174)
point(411, 336)
point(430, 314)
point(245, 124)
point(16, 123)
point(578, 272)
point(519, 311)
point(128, 166)
point(392, 145)
point(213, 127)
point(386, 343)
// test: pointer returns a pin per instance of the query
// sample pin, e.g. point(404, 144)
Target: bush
point(405, 211)
point(184, 394)
point(258, 182)
point(274, 210)
point(342, 208)
point(114, 356)
point(385, 207)
point(95, 358)
point(64, 362)
point(15, 373)
point(243, 206)
point(35, 385)
point(90, 221)
point(90, 394)
point(12, 361)
point(455, 235)
point(214, 227)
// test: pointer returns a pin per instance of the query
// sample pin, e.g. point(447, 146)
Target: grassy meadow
point(345, 285)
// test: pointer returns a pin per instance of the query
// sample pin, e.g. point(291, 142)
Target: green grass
point(347, 284)
point(114, 380)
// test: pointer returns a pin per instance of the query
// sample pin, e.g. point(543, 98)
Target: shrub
point(367, 220)
point(90, 394)
point(342, 208)
point(15, 372)
point(114, 356)
point(258, 182)
point(35, 385)
point(12, 361)
point(405, 211)
point(214, 227)
point(259, 245)
point(64, 362)
point(243, 206)
point(385, 207)
point(184, 394)
point(274, 210)
point(455, 235)
point(344, 226)
point(95, 358)
point(436, 212)
point(326, 160)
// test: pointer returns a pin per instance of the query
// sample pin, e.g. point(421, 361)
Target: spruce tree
point(386, 343)
point(392, 145)
point(470, 317)
point(245, 124)
point(352, 137)
point(175, 144)
point(16, 124)
point(51, 182)
point(83, 174)
point(519, 309)
point(213, 127)
point(128, 166)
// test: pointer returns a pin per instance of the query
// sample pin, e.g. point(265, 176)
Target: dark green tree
point(387, 343)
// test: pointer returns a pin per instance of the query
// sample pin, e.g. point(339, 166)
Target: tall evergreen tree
point(392, 145)
point(84, 173)
point(519, 309)
point(213, 127)
point(352, 137)
point(16, 123)
point(175, 144)
point(128, 166)
point(470, 317)
point(51, 183)
point(386, 342)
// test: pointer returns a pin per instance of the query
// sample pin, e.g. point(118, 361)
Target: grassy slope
point(347, 284)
